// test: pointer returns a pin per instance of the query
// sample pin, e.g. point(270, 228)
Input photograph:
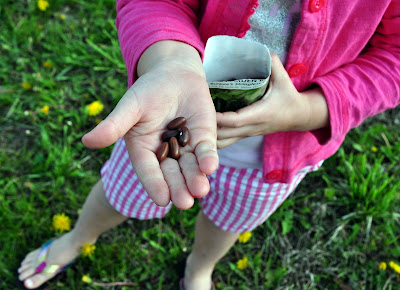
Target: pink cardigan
point(351, 49)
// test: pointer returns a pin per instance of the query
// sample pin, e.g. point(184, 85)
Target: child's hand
point(283, 108)
point(162, 93)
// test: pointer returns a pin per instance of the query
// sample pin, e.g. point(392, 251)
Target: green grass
point(332, 233)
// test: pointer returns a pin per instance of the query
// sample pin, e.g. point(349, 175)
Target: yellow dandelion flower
point(27, 86)
point(88, 250)
point(244, 237)
point(62, 16)
point(382, 266)
point(43, 5)
point(374, 149)
point(47, 64)
point(242, 263)
point(86, 279)
point(395, 267)
point(61, 223)
point(95, 108)
point(45, 109)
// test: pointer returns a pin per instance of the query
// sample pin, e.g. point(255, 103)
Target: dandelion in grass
point(395, 267)
point(62, 16)
point(382, 266)
point(43, 5)
point(374, 149)
point(45, 109)
point(40, 27)
point(86, 279)
point(87, 250)
point(61, 223)
point(47, 64)
point(244, 237)
point(26, 86)
point(242, 263)
point(95, 108)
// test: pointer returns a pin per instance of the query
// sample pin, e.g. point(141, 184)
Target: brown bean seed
point(174, 148)
point(176, 123)
point(168, 134)
point(183, 138)
point(162, 152)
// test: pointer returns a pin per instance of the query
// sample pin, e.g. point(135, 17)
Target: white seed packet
point(237, 71)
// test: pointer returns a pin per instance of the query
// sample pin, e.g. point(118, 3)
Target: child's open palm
point(142, 115)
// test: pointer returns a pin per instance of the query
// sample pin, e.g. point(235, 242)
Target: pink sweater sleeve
point(140, 23)
point(367, 86)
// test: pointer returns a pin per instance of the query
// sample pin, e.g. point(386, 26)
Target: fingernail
point(19, 270)
point(29, 283)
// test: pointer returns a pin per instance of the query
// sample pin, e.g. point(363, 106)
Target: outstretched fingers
point(197, 182)
point(180, 194)
point(148, 170)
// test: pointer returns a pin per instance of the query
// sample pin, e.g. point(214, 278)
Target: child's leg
point(238, 201)
point(97, 216)
point(210, 245)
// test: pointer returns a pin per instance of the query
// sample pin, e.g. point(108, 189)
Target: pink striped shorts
point(238, 200)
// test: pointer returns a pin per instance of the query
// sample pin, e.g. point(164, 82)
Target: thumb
point(278, 72)
point(124, 116)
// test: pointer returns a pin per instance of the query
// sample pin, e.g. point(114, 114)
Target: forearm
point(318, 113)
point(170, 52)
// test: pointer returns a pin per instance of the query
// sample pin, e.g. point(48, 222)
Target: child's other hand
point(164, 92)
point(283, 108)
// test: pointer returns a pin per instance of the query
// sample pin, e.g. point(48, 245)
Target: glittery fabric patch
point(274, 24)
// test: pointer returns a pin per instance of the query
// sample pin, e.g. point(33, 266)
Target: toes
point(32, 255)
point(25, 267)
point(27, 272)
point(37, 280)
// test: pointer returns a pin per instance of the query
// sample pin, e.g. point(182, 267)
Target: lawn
point(342, 222)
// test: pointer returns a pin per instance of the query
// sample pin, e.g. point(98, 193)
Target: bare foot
point(62, 251)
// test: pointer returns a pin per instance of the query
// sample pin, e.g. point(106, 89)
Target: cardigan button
point(274, 174)
point(297, 70)
point(316, 5)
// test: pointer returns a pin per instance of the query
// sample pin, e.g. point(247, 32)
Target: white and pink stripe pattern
point(124, 190)
point(238, 200)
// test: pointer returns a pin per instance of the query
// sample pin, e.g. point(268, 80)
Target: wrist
point(317, 110)
point(170, 53)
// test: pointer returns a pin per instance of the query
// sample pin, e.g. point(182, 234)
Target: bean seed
point(174, 148)
point(176, 123)
point(162, 152)
point(168, 134)
point(183, 138)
